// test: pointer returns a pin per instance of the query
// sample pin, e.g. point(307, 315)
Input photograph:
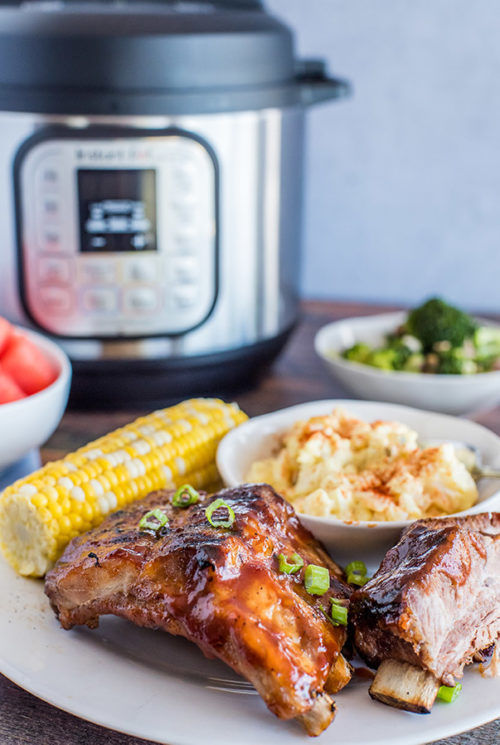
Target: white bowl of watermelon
point(35, 378)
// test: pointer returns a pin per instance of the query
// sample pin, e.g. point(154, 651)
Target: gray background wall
point(403, 179)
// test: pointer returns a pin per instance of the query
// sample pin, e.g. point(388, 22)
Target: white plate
point(257, 438)
point(452, 394)
point(152, 685)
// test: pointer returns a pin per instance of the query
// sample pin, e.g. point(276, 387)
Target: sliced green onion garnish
point(356, 567)
point(291, 565)
point(357, 579)
point(226, 518)
point(356, 573)
point(160, 519)
point(185, 495)
point(316, 579)
point(338, 613)
point(449, 693)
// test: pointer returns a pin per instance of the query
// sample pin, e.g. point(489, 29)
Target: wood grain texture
point(297, 376)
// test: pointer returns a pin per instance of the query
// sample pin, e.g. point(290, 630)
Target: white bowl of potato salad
point(358, 472)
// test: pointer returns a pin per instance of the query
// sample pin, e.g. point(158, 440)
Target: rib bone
point(404, 686)
point(339, 676)
point(319, 716)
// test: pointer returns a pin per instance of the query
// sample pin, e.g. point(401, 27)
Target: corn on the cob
point(41, 513)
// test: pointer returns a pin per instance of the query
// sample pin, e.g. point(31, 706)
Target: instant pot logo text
point(113, 155)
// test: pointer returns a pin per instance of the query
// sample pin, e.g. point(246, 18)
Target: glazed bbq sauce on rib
point(409, 562)
point(405, 562)
point(239, 569)
point(220, 588)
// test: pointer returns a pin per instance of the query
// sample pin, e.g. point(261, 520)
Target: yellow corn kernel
point(40, 514)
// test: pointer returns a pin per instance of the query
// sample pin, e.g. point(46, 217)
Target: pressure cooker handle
point(316, 86)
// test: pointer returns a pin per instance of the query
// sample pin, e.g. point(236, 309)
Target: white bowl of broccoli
point(435, 357)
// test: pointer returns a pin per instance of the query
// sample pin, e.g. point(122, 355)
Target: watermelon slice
point(6, 332)
point(27, 365)
point(9, 390)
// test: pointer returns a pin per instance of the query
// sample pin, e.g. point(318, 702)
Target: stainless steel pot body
point(259, 157)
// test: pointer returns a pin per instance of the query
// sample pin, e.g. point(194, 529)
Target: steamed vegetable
point(436, 321)
point(487, 343)
point(435, 338)
point(358, 353)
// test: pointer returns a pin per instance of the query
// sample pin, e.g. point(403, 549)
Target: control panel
point(117, 234)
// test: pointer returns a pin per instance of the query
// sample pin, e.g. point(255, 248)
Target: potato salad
point(340, 466)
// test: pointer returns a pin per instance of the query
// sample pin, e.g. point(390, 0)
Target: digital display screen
point(117, 210)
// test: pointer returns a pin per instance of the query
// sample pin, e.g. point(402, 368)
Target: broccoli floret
point(415, 362)
point(401, 353)
point(436, 321)
point(455, 362)
point(357, 353)
point(404, 347)
point(384, 359)
point(487, 343)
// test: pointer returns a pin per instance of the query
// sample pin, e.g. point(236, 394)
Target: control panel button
point(50, 206)
point(98, 271)
point(143, 299)
point(100, 300)
point(185, 215)
point(184, 269)
point(55, 299)
point(49, 238)
point(141, 270)
point(184, 181)
point(185, 296)
point(54, 270)
point(185, 244)
point(48, 177)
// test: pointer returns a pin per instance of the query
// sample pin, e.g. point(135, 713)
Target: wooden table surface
point(296, 377)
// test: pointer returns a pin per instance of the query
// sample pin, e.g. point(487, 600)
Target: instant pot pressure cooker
point(150, 188)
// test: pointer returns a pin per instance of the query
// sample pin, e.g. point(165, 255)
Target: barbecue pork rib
point(435, 601)
point(220, 588)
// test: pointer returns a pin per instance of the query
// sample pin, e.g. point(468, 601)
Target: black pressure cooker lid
point(164, 57)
